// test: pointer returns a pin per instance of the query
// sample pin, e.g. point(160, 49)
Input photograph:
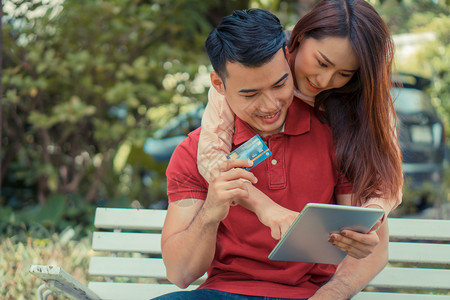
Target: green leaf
point(51, 212)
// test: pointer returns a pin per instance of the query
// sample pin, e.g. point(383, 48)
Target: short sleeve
point(183, 179)
point(343, 186)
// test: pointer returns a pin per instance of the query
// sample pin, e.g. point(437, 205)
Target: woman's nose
point(324, 79)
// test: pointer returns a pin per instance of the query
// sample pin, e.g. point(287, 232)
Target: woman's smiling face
point(324, 64)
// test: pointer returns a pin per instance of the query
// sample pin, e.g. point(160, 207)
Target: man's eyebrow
point(281, 79)
point(245, 91)
point(331, 63)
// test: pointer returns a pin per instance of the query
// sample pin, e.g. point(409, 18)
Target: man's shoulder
point(189, 144)
point(184, 157)
point(193, 136)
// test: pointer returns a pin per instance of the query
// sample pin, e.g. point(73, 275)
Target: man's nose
point(270, 102)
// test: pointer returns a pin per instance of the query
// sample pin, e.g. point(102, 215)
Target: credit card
point(254, 149)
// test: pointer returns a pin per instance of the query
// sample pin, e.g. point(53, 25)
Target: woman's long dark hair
point(361, 113)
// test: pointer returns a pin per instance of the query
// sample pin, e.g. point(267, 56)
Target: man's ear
point(217, 83)
point(286, 50)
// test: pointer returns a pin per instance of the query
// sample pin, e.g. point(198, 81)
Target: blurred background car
point(422, 138)
point(166, 139)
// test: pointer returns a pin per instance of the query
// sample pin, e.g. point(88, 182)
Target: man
point(203, 231)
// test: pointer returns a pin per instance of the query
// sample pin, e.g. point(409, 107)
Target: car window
point(182, 124)
point(407, 101)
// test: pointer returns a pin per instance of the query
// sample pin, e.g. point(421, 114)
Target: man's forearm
point(187, 254)
point(354, 274)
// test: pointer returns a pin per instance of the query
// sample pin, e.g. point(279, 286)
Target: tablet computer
point(307, 238)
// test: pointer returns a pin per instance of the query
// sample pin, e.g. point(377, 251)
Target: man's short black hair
point(250, 37)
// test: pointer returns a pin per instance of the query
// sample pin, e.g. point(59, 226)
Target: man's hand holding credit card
point(254, 149)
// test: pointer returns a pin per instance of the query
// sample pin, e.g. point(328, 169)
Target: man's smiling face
point(260, 96)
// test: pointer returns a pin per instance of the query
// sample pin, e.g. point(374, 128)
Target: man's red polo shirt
point(302, 169)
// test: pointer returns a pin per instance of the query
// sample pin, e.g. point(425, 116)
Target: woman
point(340, 55)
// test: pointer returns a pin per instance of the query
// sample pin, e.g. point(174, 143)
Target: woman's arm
point(216, 135)
point(352, 275)
point(387, 205)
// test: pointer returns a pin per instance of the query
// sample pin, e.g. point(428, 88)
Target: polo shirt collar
point(298, 121)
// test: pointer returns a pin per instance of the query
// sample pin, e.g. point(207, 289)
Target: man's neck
point(265, 134)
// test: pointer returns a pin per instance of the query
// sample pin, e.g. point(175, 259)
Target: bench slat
point(419, 253)
point(145, 219)
point(132, 291)
point(127, 242)
point(412, 278)
point(127, 267)
point(419, 229)
point(128, 218)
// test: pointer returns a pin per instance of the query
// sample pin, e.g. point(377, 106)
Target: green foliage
point(57, 214)
point(437, 56)
point(404, 15)
point(81, 78)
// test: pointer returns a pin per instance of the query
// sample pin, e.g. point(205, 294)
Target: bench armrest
point(60, 281)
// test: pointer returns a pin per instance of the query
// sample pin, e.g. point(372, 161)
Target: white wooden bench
point(419, 256)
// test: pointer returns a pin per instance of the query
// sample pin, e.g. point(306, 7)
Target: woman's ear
point(286, 50)
point(217, 83)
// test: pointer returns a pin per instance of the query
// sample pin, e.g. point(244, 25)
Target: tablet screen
point(307, 238)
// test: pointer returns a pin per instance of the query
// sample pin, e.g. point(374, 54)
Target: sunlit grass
point(16, 256)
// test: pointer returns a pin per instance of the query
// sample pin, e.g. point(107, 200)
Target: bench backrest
point(419, 256)
point(419, 253)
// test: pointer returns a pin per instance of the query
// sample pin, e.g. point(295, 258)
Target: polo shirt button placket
point(276, 170)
